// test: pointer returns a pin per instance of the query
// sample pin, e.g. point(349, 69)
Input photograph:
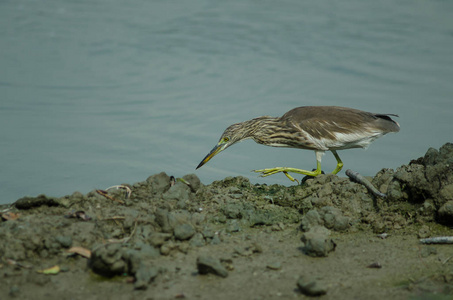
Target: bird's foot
point(338, 168)
point(284, 170)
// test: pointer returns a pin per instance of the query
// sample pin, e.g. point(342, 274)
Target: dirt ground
point(179, 239)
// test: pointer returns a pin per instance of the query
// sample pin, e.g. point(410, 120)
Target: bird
point(317, 128)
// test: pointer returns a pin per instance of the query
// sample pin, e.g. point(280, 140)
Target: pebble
point(311, 287)
point(274, 265)
point(159, 183)
point(107, 260)
point(144, 275)
point(197, 240)
point(210, 265)
point(157, 239)
point(184, 231)
point(446, 213)
point(317, 242)
point(64, 241)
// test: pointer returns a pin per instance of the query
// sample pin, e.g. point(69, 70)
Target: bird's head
point(233, 134)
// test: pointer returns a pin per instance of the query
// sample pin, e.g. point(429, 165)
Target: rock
point(311, 287)
point(445, 213)
point(248, 250)
point(412, 177)
point(317, 242)
point(184, 231)
point(446, 192)
point(176, 218)
point(31, 202)
point(163, 221)
point(274, 265)
point(64, 241)
point(197, 240)
point(434, 156)
point(144, 275)
point(209, 265)
point(311, 219)
point(232, 210)
point(215, 240)
point(166, 248)
point(395, 192)
point(157, 239)
point(430, 157)
point(208, 232)
point(424, 232)
point(233, 226)
point(115, 259)
point(194, 181)
point(179, 191)
point(64, 202)
point(159, 183)
point(107, 260)
point(334, 219)
point(146, 251)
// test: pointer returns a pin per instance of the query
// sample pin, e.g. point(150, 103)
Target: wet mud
point(180, 239)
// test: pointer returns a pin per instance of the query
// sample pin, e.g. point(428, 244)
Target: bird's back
point(334, 127)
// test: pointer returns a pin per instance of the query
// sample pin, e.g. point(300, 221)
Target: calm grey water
point(97, 93)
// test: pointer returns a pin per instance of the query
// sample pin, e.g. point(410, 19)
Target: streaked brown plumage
point(318, 128)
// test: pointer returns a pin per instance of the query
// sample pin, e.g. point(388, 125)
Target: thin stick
point(124, 187)
point(355, 176)
point(106, 195)
point(438, 240)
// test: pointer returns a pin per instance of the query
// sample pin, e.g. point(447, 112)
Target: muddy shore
point(166, 238)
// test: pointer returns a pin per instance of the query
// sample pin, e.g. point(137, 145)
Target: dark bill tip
point(210, 155)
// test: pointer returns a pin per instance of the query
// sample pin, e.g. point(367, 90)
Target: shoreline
point(328, 237)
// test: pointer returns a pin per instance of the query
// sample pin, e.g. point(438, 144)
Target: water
point(98, 93)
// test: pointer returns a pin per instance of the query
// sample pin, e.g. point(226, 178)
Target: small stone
point(317, 242)
point(166, 248)
point(197, 240)
point(64, 241)
point(144, 275)
point(193, 180)
point(374, 265)
point(209, 265)
point(159, 183)
point(208, 233)
point(30, 202)
point(311, 219)
point(424, 232)
point(179, 191)
point(107, 260)
point(162, 219)
point(184, 231)
point(157, 239)
point(311, 287)
point(334, 219)
point(233, 226)
point(216, 240)
point(274, 266)
point(446, 213)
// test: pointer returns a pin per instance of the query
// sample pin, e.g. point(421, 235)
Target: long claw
point(291, 177)
point(272, 171)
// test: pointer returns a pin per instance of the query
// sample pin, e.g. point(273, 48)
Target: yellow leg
point(339, 162)
point(285, 170)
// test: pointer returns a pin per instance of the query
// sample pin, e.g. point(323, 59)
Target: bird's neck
point(259, 129)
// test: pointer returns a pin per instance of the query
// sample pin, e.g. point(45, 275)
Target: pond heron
point(318, 128)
